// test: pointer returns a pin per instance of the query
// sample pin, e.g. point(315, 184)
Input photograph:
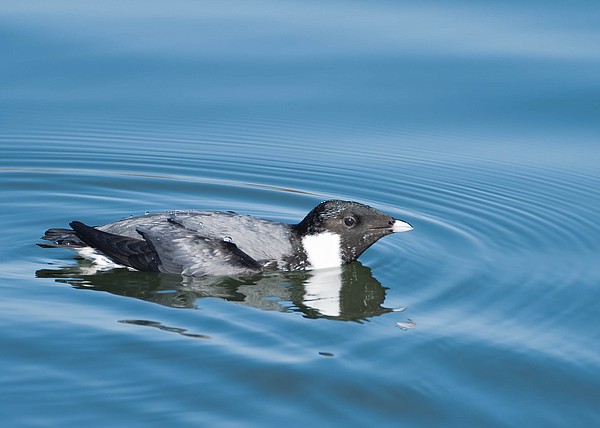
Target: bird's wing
point(169, 247)
point(186, 251)
point(260, 239)
point(136, 253)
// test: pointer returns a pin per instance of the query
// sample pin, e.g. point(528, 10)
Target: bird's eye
point(349, 221)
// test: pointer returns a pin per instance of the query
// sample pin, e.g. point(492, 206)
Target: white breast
point(322, 250)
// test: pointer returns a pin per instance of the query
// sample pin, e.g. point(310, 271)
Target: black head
point(359, 226)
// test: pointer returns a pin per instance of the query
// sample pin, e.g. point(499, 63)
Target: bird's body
point(200, 243)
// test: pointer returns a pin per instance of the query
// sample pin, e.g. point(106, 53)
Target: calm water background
point(477, 123)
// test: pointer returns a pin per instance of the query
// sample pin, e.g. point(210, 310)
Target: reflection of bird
point(199, 243)
point(346, 293)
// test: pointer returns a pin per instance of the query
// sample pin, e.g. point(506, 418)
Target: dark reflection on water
point(160, 326)
point(349, 293)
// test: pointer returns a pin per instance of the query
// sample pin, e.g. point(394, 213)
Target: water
point(478, 124)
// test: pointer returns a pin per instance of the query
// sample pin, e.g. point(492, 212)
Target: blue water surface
point(478, 123)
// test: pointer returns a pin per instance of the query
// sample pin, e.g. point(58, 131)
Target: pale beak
point(401, 226)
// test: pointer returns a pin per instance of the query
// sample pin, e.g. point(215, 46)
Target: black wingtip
point(83, 231)
point(86, 233)
point(77, 225)
point(124, 250)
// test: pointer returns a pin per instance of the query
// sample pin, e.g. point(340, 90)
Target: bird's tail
point(62, 238)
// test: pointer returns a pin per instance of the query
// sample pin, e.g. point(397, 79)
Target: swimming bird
point(215, 243)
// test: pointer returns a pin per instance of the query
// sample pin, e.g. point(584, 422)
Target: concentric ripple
point(502, 261)
point(472, 216)
point(462, 206)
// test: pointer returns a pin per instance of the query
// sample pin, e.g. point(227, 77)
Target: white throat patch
point(322, 250)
